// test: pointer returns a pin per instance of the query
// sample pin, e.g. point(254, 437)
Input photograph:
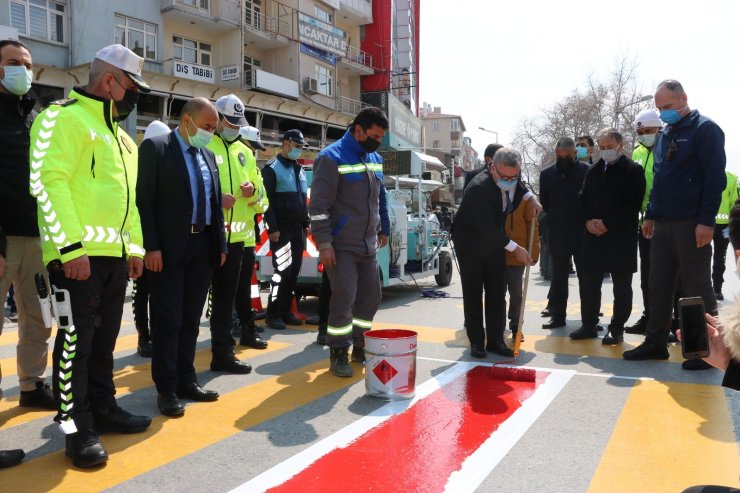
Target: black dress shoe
point(195, 392)
point(231, 366)
point(170, 405)
point(477, 351)
point(253, 340)
point(500, 348)
point(639, 326)
point(275, 323)
point(41, 397)
point(291, 319)
point(695, 364)
point(11, 457)
point(584, 333)
point(85, 449)
point(546, 312)
point(612, 339)
point(719, 296)
point(647, 350)
point(116, 419)
point(554, 323)
point(144, 349)
point(313, 320)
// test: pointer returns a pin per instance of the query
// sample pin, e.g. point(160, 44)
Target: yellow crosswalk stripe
point(670, 436)
point(169, 439)
point(128, 379)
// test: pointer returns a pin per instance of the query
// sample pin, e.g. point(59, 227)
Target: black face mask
point(370, 145)
point(126, 105)
point(564, 163)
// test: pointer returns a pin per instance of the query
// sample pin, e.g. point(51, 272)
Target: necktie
point(200, 202)
point(509, 205)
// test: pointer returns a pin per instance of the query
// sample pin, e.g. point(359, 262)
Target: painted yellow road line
point(169, 439)
point(128, 379)
point(670, 436)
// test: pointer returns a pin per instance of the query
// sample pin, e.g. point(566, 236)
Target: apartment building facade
point(294, 63)
point(444, 138)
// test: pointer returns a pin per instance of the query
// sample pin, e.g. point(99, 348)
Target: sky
point(496, 62)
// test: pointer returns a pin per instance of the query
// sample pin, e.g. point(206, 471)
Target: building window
point(138, 36)
point(435, 144)
point(191, 51)
point(250, 65)
point(325, 77)
point(454, 125)
point(41, 19)
point(324, 15)
point(435, 126)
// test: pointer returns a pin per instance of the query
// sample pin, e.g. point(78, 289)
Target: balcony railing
point(283, 24)
point(269, 82)
point(349, 106)
point(363, 8)
point(358, 56)
point(218, 10)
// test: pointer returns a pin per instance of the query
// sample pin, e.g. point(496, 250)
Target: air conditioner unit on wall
point(310, 85)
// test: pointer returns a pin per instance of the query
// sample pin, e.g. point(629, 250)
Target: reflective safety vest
point(236, 165)
point(644, 157)
point(83, 175)
point(729, 196)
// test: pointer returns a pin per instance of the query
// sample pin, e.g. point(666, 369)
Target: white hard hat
point(155, 129)
point(121, 57)
point(648, 118)
point(232, 108)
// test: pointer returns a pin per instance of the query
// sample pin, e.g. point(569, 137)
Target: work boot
point(116, 419)
point(339, 362)
point(144, 346)
point(250, 338)
point(639, 326)
point(358, 354)
point(40, 397)
point(85, 449)
point(322, 337)
point(275, 322)
point(313, 320)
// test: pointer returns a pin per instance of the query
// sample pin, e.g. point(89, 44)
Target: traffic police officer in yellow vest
point(647, 124)
point(83, 175)
point(721, 238)
point(243, 196)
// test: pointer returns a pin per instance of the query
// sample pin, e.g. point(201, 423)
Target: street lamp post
point(490, 131)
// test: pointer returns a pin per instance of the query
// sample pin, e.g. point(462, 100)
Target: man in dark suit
point(611, 196)
point(179, 198)
point(560, 184)
point(480, 245)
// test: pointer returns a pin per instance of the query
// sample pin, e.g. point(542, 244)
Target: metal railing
point(358, 56)
point(350, 106)
point(224, 10)
point(361, 7)
point(282, 24)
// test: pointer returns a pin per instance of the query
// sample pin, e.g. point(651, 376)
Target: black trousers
point(224, 286)
point(591, 282)
point(476, 275)
point(514, 285)
point(720, 244)
point(97, 310)
point(324, 298)
point(643, 247)
point(177, 298)
point(243, 300)
point(673, 251)
point(287, 257)
point(140, 301)
point(558, 294)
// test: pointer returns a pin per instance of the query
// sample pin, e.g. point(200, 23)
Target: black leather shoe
point(313, 320)
point(477, 351)
point(647, 350)
point(85, 449)
point(639, 326)
point(584, 333)
point(719, 296)
point(275, 323)
point(195, 392)
point(672, 338)
point(170, 405)
point(41, 397)
point(554, 323)
point(546, 312)
point(696, 364)
point(250, 338)
point(291, 319)
point(116, 419)
point(144, 348)
point(231, 366)
point(500, 348)
point(612, 339)
point(10, 458)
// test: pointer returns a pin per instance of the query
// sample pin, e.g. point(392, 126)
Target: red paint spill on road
point(418, 450)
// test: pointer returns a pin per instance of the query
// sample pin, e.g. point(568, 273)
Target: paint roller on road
point(509, 373)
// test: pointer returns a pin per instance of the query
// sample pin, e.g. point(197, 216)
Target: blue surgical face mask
point(671, 116)
point(17, 79)
point(648, 140)
point(295, 153)
point(201, 137)
point(507, 185)
point(582, 152)
point(229, 134)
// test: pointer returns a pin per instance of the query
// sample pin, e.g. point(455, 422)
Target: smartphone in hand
point(694, 337)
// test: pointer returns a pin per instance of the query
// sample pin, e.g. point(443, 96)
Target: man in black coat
point(611, 196)
point(480, 245)
point(560, 185)
point(179, 199)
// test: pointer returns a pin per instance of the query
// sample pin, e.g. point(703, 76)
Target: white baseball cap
point(155, 129)
point(252, 134)
point(647, 119)
point(121, 57)
point(232, 108)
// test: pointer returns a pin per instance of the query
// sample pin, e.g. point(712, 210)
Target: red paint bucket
point(390, 368)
